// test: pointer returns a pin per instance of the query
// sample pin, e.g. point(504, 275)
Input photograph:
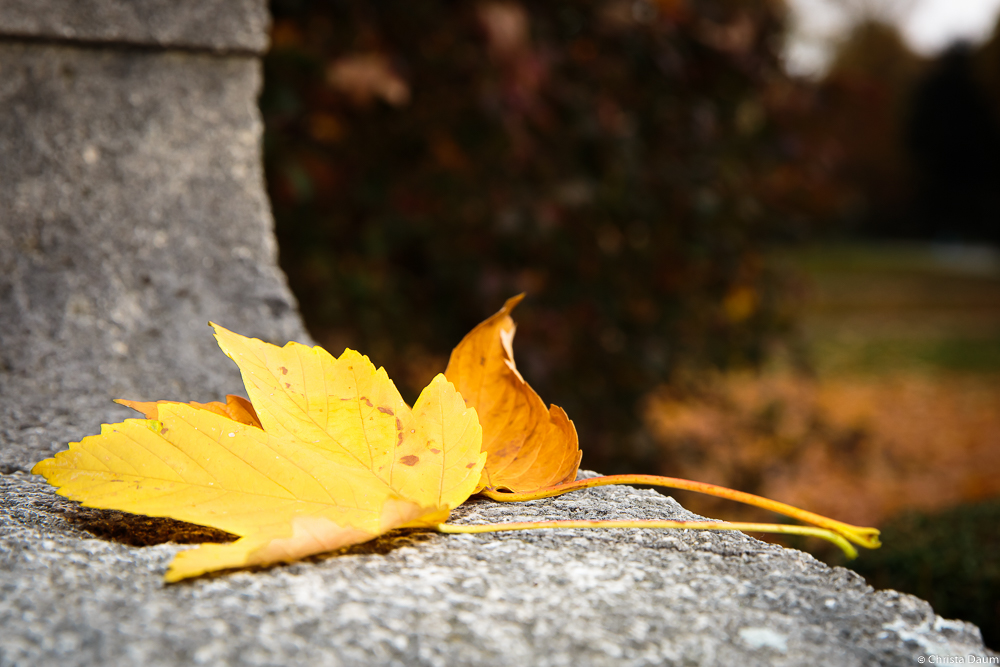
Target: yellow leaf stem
point(836, 538)
point(865, 537)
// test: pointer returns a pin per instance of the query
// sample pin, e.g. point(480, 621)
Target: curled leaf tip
point(510, 303)
point(529, 446)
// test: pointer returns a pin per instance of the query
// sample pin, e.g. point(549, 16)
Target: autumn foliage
point(861, 448)
point(326, 454)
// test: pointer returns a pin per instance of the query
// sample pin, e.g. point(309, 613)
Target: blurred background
point(760, 239)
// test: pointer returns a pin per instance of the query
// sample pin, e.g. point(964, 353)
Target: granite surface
point(556, 597)
point(132, 212)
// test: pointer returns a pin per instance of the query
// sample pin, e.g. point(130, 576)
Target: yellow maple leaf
point(328, 455)
point(530, 447)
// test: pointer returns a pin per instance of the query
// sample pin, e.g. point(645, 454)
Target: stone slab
point(215, 25)
point(132, 212)
point(545, 598)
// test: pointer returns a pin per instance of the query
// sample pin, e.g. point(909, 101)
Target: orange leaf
point(528, 447)
point(236, 408)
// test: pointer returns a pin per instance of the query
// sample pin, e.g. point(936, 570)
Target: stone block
point(215, 25)
point(618, 598)
point(132, 212)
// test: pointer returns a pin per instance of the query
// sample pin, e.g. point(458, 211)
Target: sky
point(927, 25)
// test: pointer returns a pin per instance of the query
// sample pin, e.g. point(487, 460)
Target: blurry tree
point(987, 68)
point(851, 161)
point(891, 145)
point(615, 159)
point(870, 83)
point(954, 137)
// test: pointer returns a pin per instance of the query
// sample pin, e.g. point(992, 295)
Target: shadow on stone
point(142, 531)
point(385, 544)
point(136, 530)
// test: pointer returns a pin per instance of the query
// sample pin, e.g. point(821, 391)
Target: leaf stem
point(823, 533)
point(866, 537)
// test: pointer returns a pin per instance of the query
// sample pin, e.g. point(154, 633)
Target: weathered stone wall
point(132, 210)
point(547, 598)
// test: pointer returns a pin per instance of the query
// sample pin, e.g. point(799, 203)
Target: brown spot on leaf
point(387, 411)
point(284, 371)
point(365, 399)
point(288, 385)
point(410, 460)
point(399, 427)
point(435, 451)
point(471, 465)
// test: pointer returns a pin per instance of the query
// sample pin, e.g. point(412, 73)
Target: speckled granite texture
point(566, 597)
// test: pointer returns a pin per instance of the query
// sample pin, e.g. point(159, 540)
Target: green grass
point(878, 355)
point(885, 257)
point(881, 308)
